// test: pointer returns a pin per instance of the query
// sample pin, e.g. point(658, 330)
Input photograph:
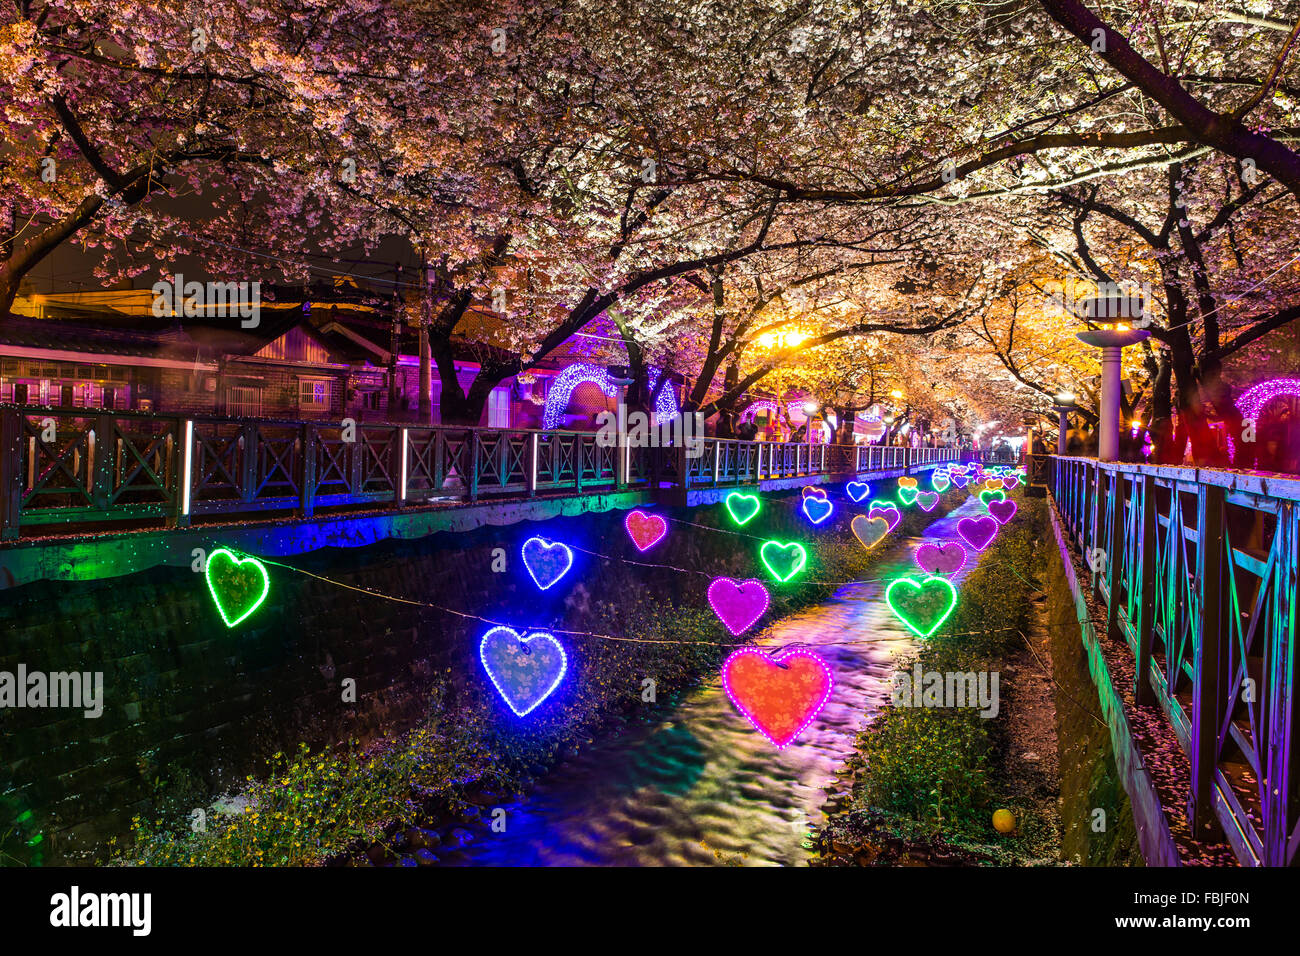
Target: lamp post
point(1064, 404)
point(1111, 342)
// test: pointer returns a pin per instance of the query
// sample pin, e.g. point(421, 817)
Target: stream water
point(702, 787)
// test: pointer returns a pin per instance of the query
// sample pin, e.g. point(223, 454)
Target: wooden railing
point(73, 467)
point(1197, 570)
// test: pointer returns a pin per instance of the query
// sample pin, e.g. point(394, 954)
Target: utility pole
point(426, 369)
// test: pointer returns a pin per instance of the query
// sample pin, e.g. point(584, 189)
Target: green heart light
point(790, 554)
point(907, 495)
point(238, 585)
point(742, 507)
point(939, 482)
point(988, 495)
point(922, 605)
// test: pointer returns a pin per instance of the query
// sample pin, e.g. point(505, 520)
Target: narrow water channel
point(702, 787)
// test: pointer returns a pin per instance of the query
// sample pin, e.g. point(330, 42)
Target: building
point(302, 360)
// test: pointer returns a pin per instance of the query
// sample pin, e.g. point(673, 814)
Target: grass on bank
point(931, 772)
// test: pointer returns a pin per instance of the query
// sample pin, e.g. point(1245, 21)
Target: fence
point(68, 467)
point(1198, 572)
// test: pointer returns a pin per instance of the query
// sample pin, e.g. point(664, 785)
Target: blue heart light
point(817, 509)
point(546, 561)
point(524, 670)
point(857, 490)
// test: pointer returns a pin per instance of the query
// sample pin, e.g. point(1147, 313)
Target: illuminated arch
point(1254, 400)
point(557, 400)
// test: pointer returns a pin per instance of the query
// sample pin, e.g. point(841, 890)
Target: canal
point(701, 786)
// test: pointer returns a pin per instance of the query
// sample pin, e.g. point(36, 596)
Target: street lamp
point(1064, 404)
point(1111, 342)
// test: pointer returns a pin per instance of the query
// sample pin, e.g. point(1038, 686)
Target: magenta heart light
point(1004, 511)
point(977, 532)
point(1010, 482)
point(947, 557)
point(738, 604)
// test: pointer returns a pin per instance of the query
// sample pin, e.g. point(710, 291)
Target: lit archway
point(1252, 402)
point(557, 400)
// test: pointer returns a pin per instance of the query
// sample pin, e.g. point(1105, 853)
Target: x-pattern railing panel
point(56, 465)
point(218, 465)
point(143, 465)
point(1227, 543)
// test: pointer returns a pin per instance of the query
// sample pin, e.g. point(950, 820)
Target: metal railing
point(1198, 572)
point(75, 467)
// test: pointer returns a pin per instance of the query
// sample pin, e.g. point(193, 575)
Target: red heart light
point(779, 694)
point(645, 530)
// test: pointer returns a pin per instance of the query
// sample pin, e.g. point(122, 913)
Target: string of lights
point(634, 640)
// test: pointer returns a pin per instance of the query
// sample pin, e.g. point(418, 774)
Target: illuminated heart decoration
point(926, 500)
point(813, 491)
point(907, 495)
point(869, 531)
point(977, 532)
point(546, 561)
point(238, 585)
point(993, 484)
point(887, 510)
point(783, 559)
point(523, 670)
point(958, 469)
point(779, 694)
point(857, 490)
point(946, 558)
point(907, 482)
point(987, 495)
point(742, 507)
point(1002, 510)
point(940, 481)
point(817, 509)
point(1010, 482)
point(922, 605)
point(738, 604)
point(960, 480)
point(645, 530)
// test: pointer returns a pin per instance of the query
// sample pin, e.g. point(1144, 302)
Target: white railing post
point(187, 470)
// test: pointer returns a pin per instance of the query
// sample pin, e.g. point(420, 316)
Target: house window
point(499, 408)
point(244, 401)
point(314, 394)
